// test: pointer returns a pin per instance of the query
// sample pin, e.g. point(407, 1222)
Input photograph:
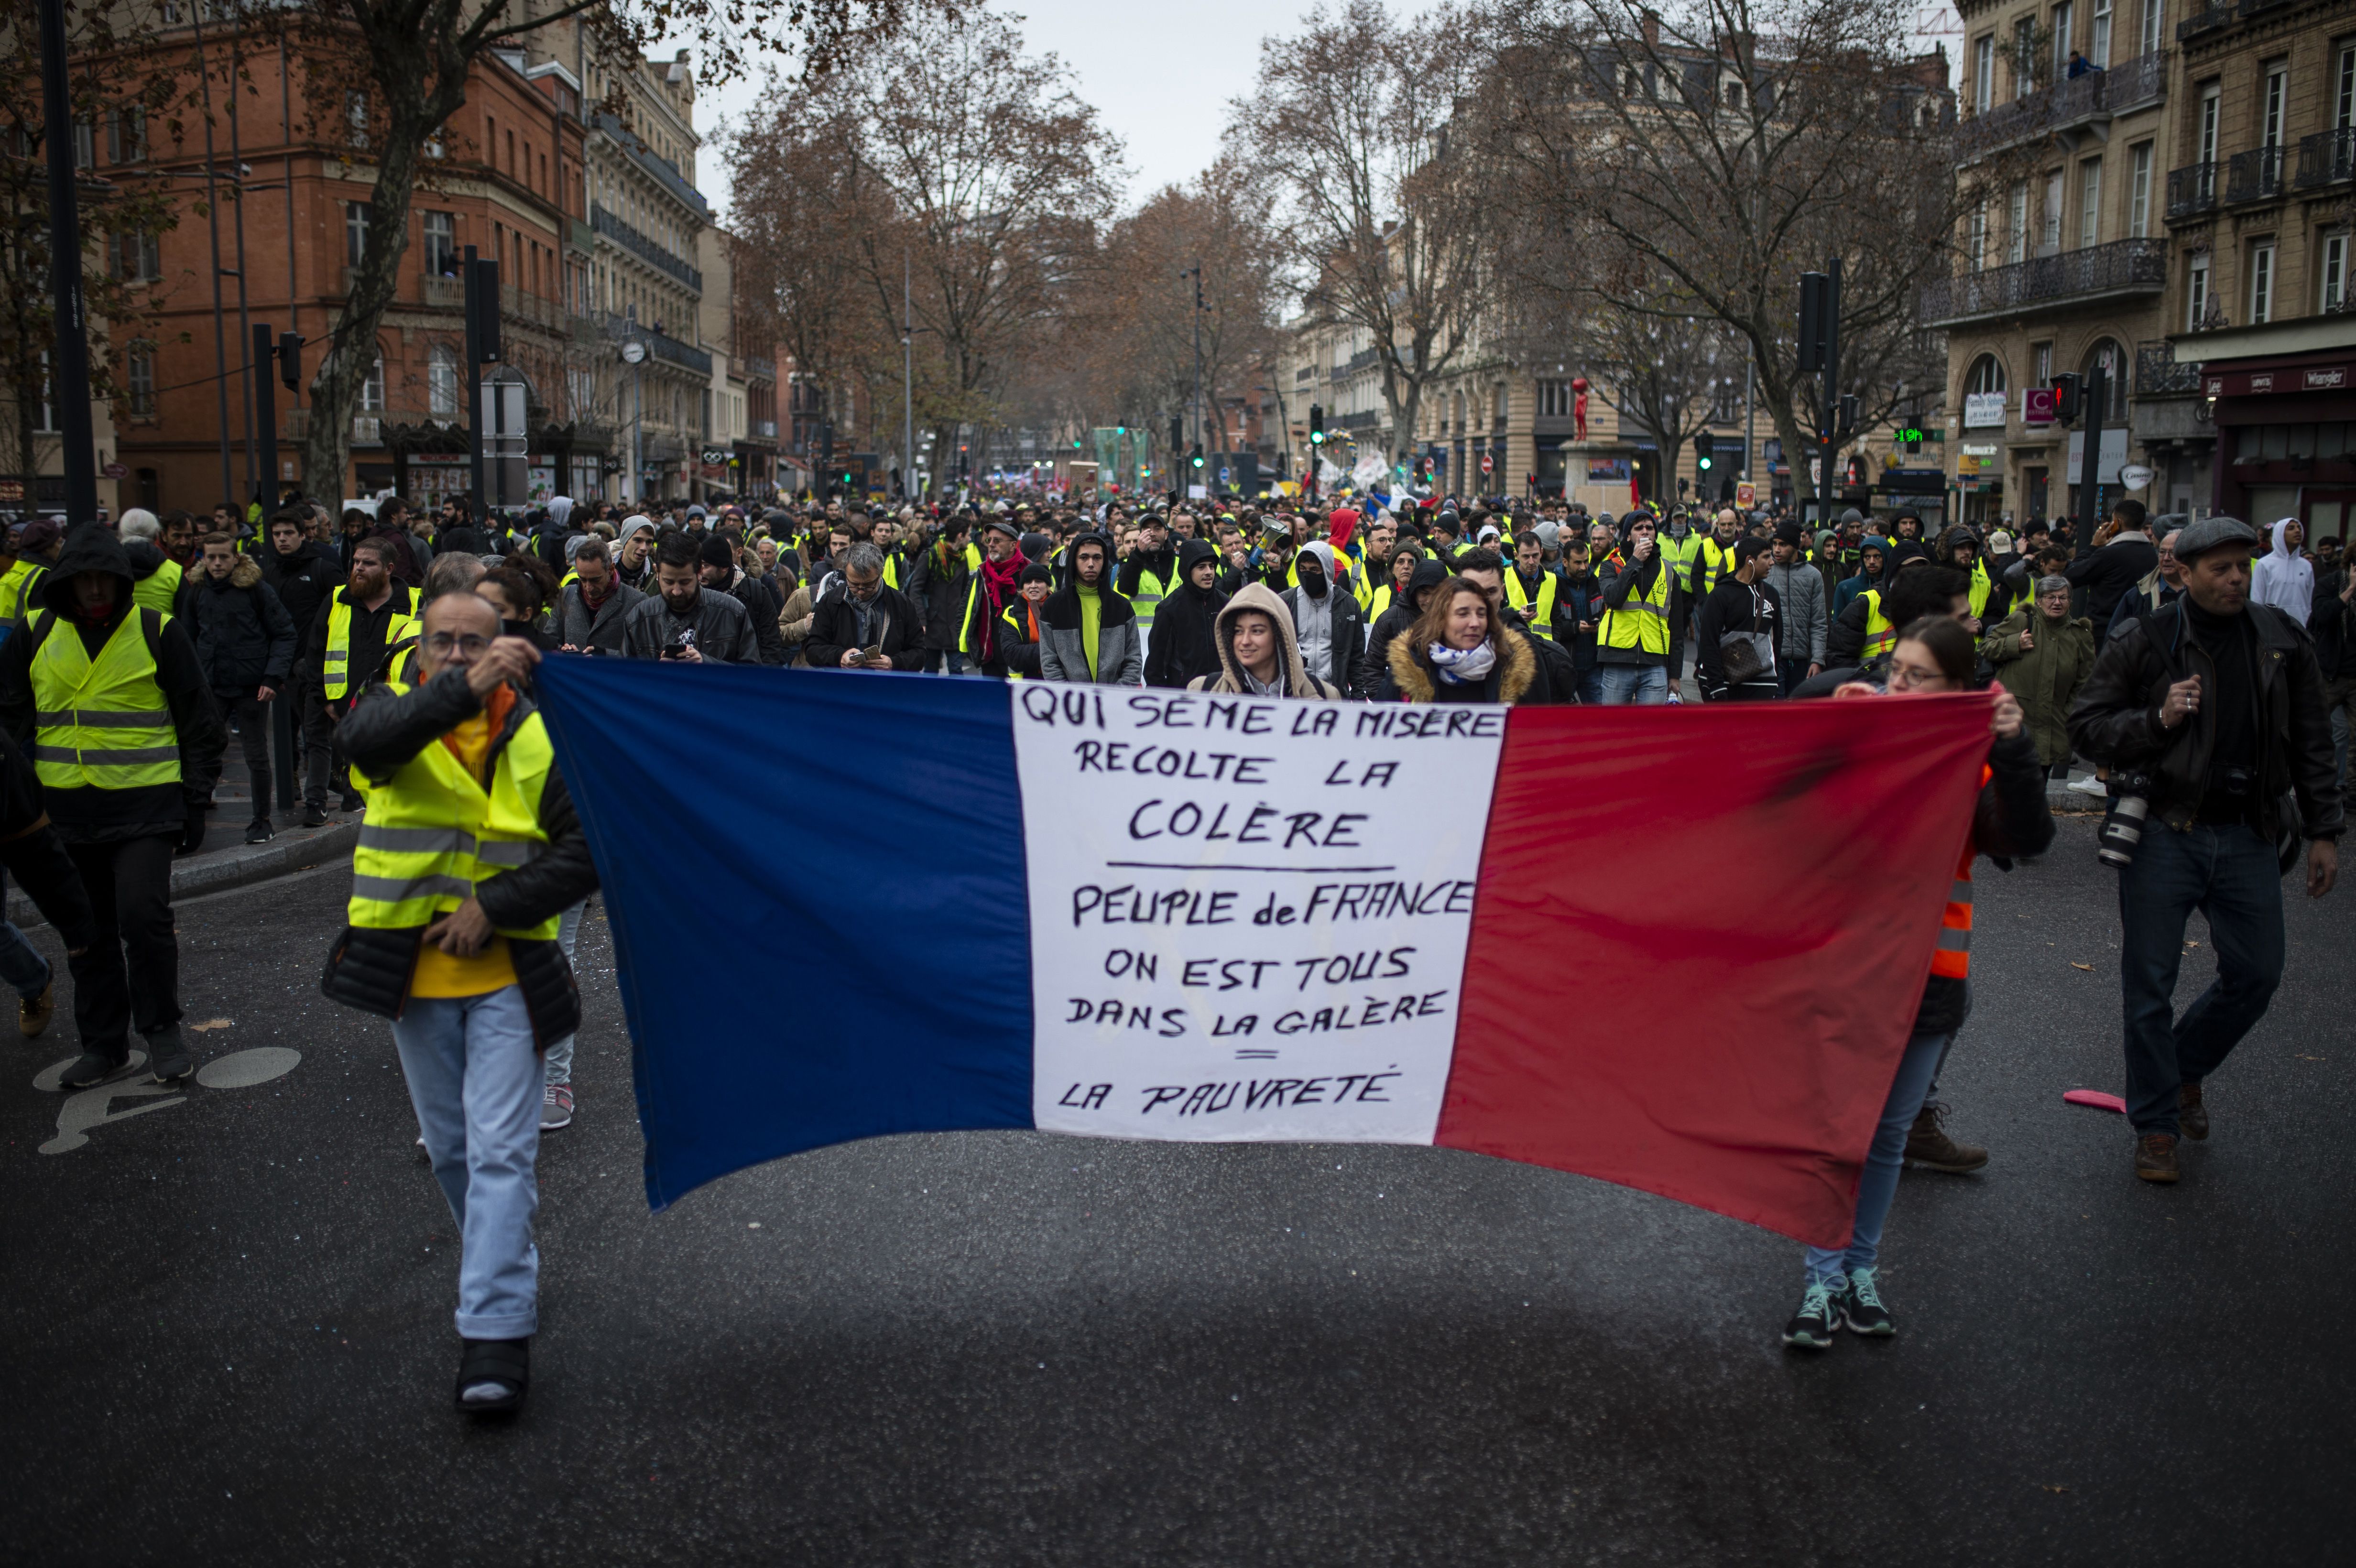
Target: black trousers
point(130, 884)
point(323, 764)
point(252, 720)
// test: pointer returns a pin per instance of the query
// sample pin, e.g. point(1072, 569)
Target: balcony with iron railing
point(2067, 104)
point(2192, 189)
point(756, 365)
point(2070, 278)
point(647, 250)
point(2254, 176)
point(2327, 157)
point(765, 430)
point(2157, 374)
point(2203, 21)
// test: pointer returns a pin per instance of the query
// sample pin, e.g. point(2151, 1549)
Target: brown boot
point(2190, 1114)
point(1928, 1147)
point(33, 1013)
point(2155, 1156)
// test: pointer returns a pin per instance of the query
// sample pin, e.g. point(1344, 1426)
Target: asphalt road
point(224, 1322)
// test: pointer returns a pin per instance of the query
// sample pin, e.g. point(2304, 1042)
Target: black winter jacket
point(302, 580)
point(940, 597)
point(245, 638)
point(2115, 720)
point(834, 629)
point(1186, 642)
point(92, 816)
point(369, 969)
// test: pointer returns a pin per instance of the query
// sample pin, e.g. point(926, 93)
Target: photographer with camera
point(2207, 713)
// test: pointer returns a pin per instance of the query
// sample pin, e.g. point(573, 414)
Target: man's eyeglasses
point(442, 644)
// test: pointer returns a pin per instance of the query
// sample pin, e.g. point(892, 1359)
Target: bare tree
point(1389, 210)
point(1720, 149)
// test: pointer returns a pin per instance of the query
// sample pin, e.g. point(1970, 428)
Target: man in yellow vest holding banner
point(110, 700)
point(469, 856)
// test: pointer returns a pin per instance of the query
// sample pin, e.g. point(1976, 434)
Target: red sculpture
point(1578, 405)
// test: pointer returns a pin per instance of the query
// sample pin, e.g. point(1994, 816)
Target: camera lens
point(2122, 832)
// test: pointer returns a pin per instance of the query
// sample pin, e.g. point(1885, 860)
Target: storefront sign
point(2271, 383)
point(2037, 405)
point(1983, 410)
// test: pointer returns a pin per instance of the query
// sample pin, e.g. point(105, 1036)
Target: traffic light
point(2066, 398)
point(290, 360)
point(1316, 424)
point(1816, 297)
point(1177, 432)
point(1703, 454)
point(1196, 458)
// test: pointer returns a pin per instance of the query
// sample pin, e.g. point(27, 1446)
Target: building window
point(372, 389)
point(356, 231)
point(441, 244)
point(2048, 233)
point(1984, 73)
point(2139, 191)
point(2062, 20)
point(2262, 282)
point(2089, 202)
point(139, 378)
point(2205, 143)
point(126, 135)
point(356, 118)
point(2040, 364)
point(2155, 23)
point(2024, 56)
point(1986, 375)
point(2196, 293)
point(2016, 215)
point(2270, 114)
point(2098, 36)
point(442, 379)
point(2343, 90)
point(138, 258)
point(1554, 400)
point(1976, 237)
point(2335, 272)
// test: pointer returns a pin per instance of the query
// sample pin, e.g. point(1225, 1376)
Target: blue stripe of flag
point(816, 886)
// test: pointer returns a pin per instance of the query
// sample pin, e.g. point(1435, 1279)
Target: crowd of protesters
point(401, 640)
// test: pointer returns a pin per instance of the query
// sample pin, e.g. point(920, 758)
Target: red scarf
point(1002, 584)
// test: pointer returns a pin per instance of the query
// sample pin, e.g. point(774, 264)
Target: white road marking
point(244, 1068)
point(93, 1107)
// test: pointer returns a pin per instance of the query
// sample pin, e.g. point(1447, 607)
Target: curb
point(236, 867)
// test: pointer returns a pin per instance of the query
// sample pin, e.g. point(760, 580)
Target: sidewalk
point(227, 860)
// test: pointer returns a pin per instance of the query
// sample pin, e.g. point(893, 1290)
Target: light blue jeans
point(1632, 685)
point(559, 1055)
point(476, 1084)
point(1878, 1186)
point(21, 964)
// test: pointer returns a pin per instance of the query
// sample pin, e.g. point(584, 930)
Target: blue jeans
point(1879, 1185)
point(2229, 875)
point(937, 658)
point(1590, 686)
point(21, 964)
point(1626, 685)
point(475, 1084)
point(558, 1068)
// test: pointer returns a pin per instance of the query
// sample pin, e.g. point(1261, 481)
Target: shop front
point(2286, 438)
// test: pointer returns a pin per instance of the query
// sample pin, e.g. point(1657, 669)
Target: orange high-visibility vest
point(1954, 958)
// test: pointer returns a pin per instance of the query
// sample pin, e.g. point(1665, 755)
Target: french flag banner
point(1676, 949)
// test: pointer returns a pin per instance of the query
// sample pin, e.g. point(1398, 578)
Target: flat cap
point(2209, 533)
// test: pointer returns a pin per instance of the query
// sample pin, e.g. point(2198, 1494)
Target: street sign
point(1488, 464)
point(122, 471)
point(2134, 476)
point(1746, 495)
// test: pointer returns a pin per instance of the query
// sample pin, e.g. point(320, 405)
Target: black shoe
point(259, 831)
point(167, 1056)
point(1811, 1327)
point(354, 801)
point(1861, 1311)
point(497, 1372)
point(314, 815)
point(92, 1071)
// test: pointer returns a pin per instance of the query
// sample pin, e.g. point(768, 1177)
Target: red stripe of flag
point(1701, 939)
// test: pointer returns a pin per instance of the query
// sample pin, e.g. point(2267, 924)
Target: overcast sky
point(1159, 79)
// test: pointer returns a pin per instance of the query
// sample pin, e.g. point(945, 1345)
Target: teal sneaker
point(1811, 1329)
point(1861, 1311)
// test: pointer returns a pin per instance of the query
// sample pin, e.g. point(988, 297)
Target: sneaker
point(555, 1107)
point(353, 802)
point(2090, 784)
point(314, 815)
point(1811, 1329)
point(2155, 1156)
point(1928, 1147)
point(168, 1058)
point(1861, 1311)
point(2191, 1115)
point(259, 831)
point(33, 1013)
point(92, 1071)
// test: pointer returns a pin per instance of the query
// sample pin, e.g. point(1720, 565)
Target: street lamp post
point(69, 358)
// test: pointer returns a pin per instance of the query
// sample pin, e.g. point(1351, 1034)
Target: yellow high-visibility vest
point(158, 588)
point(1642, 622)
point(1881, 636)
point(335, 671)
point(101, 724)
point(1541, 623)
point(434, 833)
